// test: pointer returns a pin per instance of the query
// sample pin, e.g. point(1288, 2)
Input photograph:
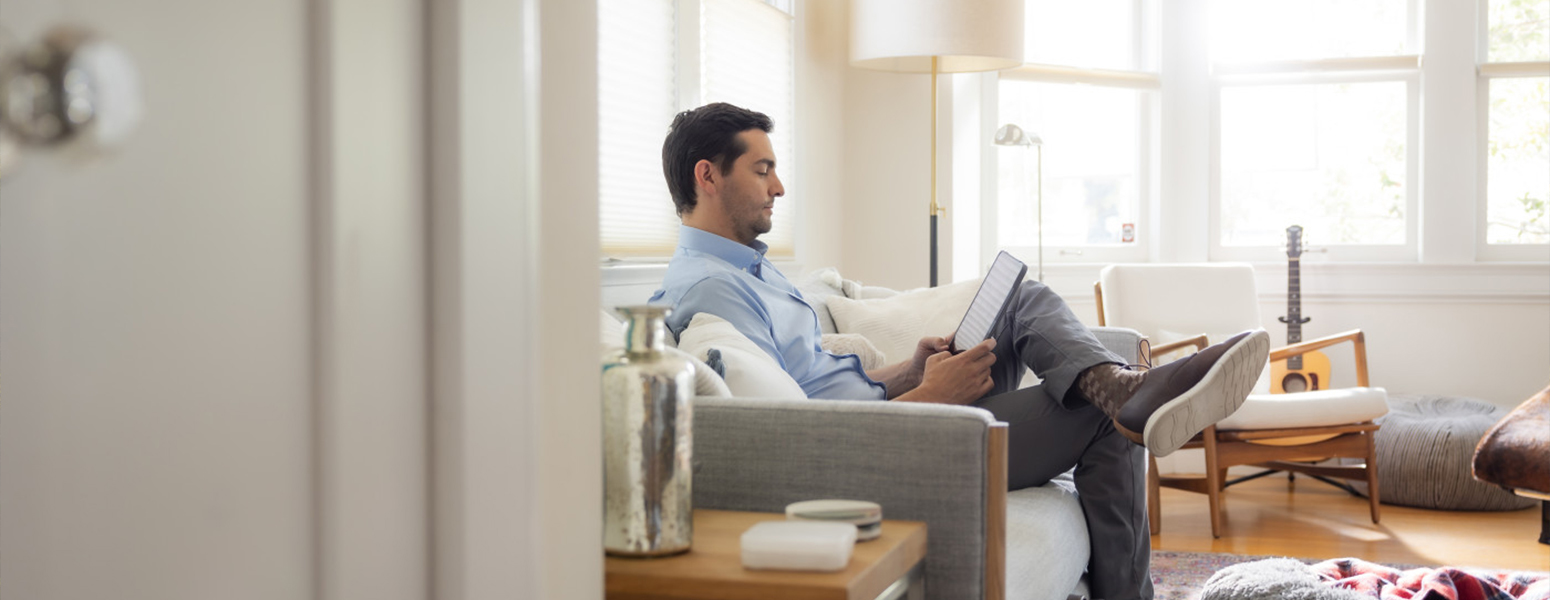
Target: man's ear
point(706, 177)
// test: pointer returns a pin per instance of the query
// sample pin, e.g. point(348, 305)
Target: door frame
point(516, 442)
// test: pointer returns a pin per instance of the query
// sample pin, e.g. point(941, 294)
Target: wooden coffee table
point(887, 567)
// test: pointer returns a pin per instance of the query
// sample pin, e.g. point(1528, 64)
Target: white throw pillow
point(611, 332)
point(706, 382)
point(859, 291)
point(750, 373)
point(896, 324)
point(853, 343)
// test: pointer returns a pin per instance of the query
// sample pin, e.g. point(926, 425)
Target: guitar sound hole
point(1294, 382)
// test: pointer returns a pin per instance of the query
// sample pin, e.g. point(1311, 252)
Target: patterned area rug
point(1181, 575)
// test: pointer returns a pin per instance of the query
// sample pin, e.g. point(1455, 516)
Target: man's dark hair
point(705, 133)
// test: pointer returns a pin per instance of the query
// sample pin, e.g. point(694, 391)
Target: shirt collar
point(738, 255)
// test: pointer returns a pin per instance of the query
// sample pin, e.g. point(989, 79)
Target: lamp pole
point(936, 210)
point(1039, 204)
point(1012, 135)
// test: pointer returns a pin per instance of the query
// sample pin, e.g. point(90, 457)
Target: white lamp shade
point(964, 35)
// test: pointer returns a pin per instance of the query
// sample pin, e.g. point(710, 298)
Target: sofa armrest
point(1123, 341)
point(921, 462)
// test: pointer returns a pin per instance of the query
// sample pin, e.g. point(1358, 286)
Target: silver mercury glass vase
point(647, 442)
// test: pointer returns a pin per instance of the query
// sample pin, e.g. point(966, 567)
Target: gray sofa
point(925, 462)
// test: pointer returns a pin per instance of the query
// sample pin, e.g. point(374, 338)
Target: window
point(1514, 96)
point(659, 57)
point(1088, 91)
point(1317, 125)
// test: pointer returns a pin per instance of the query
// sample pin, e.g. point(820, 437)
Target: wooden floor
point(1263, 516)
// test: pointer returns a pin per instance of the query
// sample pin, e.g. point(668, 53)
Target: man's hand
point(924, 350)
point(952, 379)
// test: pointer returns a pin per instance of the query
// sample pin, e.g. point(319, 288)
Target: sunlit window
point(1088, 90)
point(1328, 157)
point(1316, 125)
point(1517, 98)
point(1091, 165)
point(1276, 30)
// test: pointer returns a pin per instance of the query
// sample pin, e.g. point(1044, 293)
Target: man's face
point(751, 188)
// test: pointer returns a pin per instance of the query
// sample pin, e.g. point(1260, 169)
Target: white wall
point(887, 180)
point(822, 59)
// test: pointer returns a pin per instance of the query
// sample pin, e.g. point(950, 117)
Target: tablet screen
point(1004, 276)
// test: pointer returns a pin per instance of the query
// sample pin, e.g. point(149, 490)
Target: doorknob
point(71, 89)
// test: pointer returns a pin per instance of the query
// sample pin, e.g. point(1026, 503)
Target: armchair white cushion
point(1308, 409)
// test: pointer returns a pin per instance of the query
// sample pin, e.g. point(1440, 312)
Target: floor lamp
point(1012, 135)
point(936, 36)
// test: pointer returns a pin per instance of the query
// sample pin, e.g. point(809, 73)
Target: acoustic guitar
point(1308, 371)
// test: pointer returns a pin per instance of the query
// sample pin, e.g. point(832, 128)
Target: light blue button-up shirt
point(713, 274)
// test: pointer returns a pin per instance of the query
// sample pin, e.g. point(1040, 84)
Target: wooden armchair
point(1280, 432)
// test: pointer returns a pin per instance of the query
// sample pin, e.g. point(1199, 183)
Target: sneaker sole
point(1220, 392)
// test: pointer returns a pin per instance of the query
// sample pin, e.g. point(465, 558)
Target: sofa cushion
point(895, 324)
point(1047, 547)
point(817, 287)
point(750, 373)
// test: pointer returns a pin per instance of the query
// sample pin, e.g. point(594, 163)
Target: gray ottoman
point(1424, 452)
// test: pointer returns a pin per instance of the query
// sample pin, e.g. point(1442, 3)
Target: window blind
point(637, 95)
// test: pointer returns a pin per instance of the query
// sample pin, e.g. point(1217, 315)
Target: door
point(213, 364)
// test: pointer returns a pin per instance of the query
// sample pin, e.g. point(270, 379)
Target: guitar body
point(1312, 376)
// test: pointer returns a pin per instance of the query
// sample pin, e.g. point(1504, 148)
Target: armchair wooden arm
point(1358, 346)
point(1199, 342)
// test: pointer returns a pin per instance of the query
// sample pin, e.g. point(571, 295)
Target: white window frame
point(1402, 68)
point(1485, 72)
point(1373, 69)
point(1145, 78)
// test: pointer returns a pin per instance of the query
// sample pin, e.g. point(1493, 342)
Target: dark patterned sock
point(1108, 386)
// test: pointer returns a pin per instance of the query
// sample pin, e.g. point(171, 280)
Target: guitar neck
point(1293, 301)
point(1294, 308)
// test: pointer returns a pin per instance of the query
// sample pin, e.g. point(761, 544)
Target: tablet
point(1006, 273)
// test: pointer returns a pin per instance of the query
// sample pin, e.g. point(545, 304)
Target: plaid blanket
point(1445, 583)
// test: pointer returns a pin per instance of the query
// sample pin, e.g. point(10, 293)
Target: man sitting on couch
point(720, 169)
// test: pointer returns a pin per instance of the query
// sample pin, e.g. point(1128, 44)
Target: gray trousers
point(1051, 429)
